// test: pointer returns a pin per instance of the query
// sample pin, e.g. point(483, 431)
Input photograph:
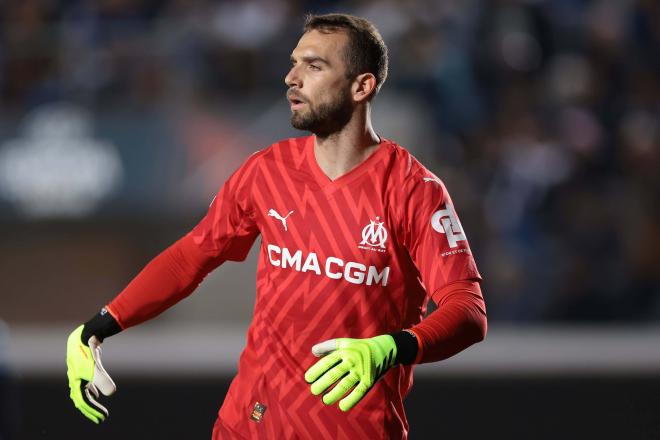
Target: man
point(356, 236)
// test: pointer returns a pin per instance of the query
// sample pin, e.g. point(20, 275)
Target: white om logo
point(374, 234)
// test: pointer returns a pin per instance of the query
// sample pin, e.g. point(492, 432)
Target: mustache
point(291, 94)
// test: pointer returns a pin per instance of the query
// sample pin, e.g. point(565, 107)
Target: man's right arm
point(227, 232)
point(167, 279)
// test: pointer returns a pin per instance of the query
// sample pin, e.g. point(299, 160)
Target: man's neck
point(340, 152)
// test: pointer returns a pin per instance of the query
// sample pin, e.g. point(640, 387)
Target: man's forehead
point(325, 44)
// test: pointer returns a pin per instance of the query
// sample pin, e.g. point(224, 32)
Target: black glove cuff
point(406, 347)
point(102, 325)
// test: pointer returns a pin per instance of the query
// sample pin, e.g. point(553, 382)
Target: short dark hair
point(366, 51)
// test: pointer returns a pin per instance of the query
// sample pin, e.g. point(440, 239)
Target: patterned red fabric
point(174, 274)
point(355, 257)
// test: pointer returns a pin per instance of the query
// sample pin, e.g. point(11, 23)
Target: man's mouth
point(295, 101)
point(296, 105)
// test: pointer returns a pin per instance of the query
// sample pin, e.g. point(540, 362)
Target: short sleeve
point(433, 234)
point(229, 229)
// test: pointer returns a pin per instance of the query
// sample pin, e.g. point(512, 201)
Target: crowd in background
point(542, 117)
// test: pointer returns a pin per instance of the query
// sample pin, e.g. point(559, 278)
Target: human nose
point(292, 78)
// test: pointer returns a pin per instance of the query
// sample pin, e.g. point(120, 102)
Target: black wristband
point(406, 347)
point(102, 325)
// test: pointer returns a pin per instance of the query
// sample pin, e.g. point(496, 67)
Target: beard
point(326, 118)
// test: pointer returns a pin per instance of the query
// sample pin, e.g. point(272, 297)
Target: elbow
point(474, 326)
point(479, 327)
point(479, 320)
point(482, 329)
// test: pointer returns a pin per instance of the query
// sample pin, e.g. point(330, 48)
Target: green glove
point(358, 363)
point(87, 376)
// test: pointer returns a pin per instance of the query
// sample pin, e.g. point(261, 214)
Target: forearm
point(458, 322)
point(166, 280)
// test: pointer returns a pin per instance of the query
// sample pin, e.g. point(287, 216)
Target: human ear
point(364, 86)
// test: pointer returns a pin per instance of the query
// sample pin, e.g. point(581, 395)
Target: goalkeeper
point(356, 237)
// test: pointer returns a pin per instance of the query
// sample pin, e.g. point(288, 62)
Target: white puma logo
point(273, 213)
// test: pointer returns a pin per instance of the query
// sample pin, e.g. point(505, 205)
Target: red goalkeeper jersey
point(355, 257)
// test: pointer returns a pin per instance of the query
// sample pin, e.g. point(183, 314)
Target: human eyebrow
point(310, 59)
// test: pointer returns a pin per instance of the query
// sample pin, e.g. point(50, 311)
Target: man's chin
point(299, 123)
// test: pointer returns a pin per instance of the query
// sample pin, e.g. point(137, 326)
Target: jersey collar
point(328, 186)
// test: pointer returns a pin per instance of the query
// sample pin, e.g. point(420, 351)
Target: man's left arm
point(458, 322)
point(355, 365)
point(438, 246)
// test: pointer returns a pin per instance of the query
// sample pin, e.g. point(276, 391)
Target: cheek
point(318, 98)
point(325, 90)
point(329, 93)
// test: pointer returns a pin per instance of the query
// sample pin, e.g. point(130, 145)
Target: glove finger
point(85, 412)
point(74, 391)
point(92, 405)
point(325, 347)
point(86, 404)
point(93, 390)
point(78, 396)
point(342, 387)
point(354, 397)
point(321, 366)
point(330, 377)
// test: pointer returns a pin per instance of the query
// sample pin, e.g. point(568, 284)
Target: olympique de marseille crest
point(374, 235)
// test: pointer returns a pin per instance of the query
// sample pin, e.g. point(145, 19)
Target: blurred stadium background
point(119, 120)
